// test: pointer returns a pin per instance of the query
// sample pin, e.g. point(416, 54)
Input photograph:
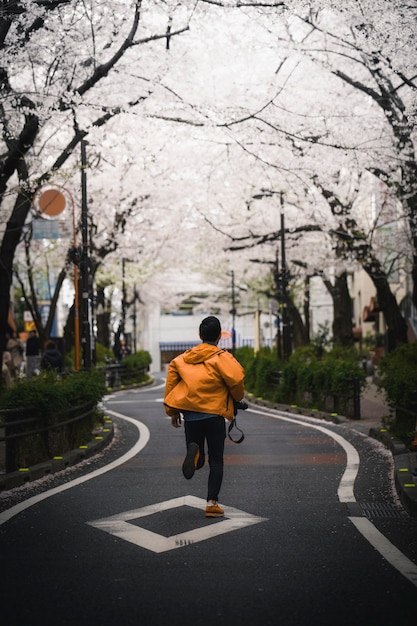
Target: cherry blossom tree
point(59, 83)
point(344, 101)
point(309, 90)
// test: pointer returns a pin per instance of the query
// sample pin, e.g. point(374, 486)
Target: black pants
point(212, 430)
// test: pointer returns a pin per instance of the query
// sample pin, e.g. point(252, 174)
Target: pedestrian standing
point(202, 385)
point(5, 368)
point(33, 359)
point(15, 347)
point(52, 359)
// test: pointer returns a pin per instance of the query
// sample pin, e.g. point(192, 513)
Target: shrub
point(138, 361)
point(52, 394)
point(103, 355)
point(310, 377)
point(136, 366)
point(262, 370)
point(397, 374)
point(50, 400)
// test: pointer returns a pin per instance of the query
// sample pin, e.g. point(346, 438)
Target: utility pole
point(135, 331)
point(284, 286)
point(85, 270)
point(279, 297)
point(123, 325)
point(233, 312)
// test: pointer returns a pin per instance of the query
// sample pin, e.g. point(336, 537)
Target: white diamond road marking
point(119, 525)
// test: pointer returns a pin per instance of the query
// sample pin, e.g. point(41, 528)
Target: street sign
point(52, 202)
point(51, 229)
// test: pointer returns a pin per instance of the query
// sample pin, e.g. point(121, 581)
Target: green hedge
point(397, 374)
point(135, 368)
point(51, 399)
point(397, 377)
point(306, 379)
point(52, 394)
point(140, 360)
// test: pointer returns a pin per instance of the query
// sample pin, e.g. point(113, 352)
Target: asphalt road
point(313, 533)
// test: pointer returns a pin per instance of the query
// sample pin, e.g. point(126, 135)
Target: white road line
point(345, 491)
point(385, 547)
point(144, 436)
point(395, 557)
point(119, 525)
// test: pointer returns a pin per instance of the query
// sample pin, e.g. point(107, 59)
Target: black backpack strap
point(234, 425)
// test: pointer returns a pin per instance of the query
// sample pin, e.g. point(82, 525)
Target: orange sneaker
point(190, 461)
point(213, 510)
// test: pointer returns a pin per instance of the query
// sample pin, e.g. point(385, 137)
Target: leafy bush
point(103, 355)
point(135, 367)
point(397, 374)
point(49, 400)
point(51, 394)
point(310, 377)
point(138, 361)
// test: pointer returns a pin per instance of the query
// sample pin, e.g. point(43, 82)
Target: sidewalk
point(373, 410)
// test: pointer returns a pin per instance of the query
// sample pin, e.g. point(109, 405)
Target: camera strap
point(234, 425)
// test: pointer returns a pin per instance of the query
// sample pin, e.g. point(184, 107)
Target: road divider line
point(144, 436)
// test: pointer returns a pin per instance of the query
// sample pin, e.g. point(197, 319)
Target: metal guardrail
point(13, 429)
point(19, 424)
point(117, 374)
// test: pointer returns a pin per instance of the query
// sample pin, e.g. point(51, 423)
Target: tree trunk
point(298, 334)
point(102, 318)
point(10, 241)
point(342, 310)
point(397, 326)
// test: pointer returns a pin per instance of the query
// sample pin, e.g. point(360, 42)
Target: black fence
point(28, 436)
point(118, 375)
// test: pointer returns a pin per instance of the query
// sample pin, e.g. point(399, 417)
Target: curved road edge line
point(345, 491)
point(394, 556)
point(144, 436)
point(363, 525)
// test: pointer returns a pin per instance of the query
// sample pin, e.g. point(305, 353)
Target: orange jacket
point(205, 379)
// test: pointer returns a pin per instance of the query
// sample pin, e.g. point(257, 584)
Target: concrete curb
point(102, 437)
point(405, 475)
point(383, 435)
point(299, 410)
point(406, 482)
